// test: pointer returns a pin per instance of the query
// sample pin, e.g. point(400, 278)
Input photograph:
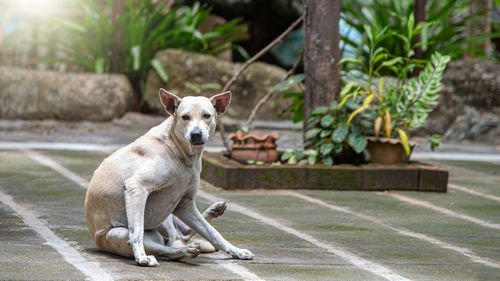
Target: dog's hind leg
point(175, 231)
point(215, 210)
point(116, 241)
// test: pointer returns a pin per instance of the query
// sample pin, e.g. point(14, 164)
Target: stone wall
point(477, 83)
point(469, 104)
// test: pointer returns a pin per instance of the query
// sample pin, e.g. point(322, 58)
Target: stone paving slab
point(279, 255)
point(24, 255)
point(481, 176)
point(408, 257)
point(483, 241)
point(293, 252)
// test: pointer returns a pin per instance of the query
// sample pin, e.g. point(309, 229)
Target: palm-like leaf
point(419, 95)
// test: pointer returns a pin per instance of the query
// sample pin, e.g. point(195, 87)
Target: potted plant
point(331, 140)
point(397, 108)
point(254, 147)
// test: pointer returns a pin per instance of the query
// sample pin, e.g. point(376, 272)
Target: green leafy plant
point(401, 108)
point(331, 138)
point(297, 157)
point(147, 27)
point(446, 31)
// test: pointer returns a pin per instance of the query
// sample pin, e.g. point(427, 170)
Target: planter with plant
point(399, 105)
point(339, 131)
point(257, 148)
point(332, 140)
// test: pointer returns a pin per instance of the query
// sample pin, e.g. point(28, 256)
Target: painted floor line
point(357, 261)
point(11, 145)
point(108, 148)
point(483, 157)
point(403, 231)
point(240, 270)
point(473, 192)
point(59, 146)
point(442, 210)
point(90, 269)
point(47, 161)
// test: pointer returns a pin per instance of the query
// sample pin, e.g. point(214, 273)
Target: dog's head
point(195, 116)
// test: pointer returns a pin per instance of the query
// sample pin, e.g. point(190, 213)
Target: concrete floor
point(300, 235)
point(303, 235)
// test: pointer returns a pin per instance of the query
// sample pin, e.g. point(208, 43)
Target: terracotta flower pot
point(388, 151)
point(255, 146)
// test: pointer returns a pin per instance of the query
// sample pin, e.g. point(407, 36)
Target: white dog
point(135, 189)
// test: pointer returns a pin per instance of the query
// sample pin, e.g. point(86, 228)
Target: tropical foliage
point(447, 29)
point(331, 138)
point(400, 108)
point(147, 27)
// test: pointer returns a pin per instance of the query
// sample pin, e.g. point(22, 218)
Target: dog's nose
point(196, 137)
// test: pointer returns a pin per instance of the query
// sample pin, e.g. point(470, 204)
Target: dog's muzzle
point(197, 137)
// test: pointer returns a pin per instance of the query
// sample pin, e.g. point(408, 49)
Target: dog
point(134, 191)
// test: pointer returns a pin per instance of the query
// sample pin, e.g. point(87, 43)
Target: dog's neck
point(175, 142)
point(186, 152)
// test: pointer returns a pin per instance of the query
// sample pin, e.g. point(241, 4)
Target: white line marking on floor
point(11, 145)
point(357, 261)
point(403, 231)
point(239, 270)
point(91, 269)
point(473, 192)
point(441, 210)
point(483, 157)
point(7, 145)
point(60, 146)
point(47, 161)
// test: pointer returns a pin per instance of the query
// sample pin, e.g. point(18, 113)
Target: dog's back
point(105, 202)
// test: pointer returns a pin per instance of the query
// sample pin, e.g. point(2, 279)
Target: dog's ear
point(221, 101)
point(169, 101)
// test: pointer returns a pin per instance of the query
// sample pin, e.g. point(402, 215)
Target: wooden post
point(419, 17)
point(419, 14)
point(321, 54)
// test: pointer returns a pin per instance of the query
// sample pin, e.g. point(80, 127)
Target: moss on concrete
point(229, 174)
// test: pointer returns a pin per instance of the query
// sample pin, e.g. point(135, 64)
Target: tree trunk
point(419, 17)
point(321, 54)
point(419, 14)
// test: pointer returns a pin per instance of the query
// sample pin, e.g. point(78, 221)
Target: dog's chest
point(163, 201)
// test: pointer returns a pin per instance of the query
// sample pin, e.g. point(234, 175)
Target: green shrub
point(331, 139)
point(89, 41)
point(446, 31)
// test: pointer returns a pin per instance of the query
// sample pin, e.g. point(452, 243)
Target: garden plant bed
point(229, 174)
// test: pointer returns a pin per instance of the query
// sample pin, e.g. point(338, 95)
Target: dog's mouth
point(197, 143)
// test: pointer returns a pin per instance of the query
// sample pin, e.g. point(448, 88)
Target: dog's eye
point(206, 116)
point(185, 117)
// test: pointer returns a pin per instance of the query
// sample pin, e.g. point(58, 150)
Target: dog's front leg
point(189, 214)
point(135, 203)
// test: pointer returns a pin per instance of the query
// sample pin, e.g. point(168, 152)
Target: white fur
point(134, 190)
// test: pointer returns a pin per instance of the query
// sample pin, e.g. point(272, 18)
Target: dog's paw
point(242, 254)
point(192, 250)
point(217, 209)
point(146, 261)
